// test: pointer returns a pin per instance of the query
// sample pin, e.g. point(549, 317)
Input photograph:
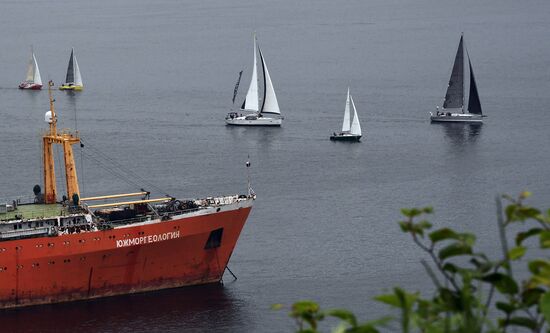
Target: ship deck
point(32, 211)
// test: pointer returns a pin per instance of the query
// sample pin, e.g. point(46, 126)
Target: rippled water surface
point(159, 78)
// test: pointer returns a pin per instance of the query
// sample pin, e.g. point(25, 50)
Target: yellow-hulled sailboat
point(73, 81)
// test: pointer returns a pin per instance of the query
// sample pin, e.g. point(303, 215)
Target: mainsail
point(454, 98)
point(30, 70)
point(36, 75)
point(269, 104)
point(69, 79)
point(474, 105)
point(251, 100)
point(355, 126)
point(236, 89)
point(346, 123)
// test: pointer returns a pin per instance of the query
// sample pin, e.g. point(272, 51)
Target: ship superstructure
point(77, 248)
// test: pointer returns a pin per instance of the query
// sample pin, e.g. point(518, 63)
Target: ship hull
point(183, 251)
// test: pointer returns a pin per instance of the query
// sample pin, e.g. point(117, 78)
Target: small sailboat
point(453, 106)
point(73, 81)
point(268, 114)
point(351, 129)
point(33, 80)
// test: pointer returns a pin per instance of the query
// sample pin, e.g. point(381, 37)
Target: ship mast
point(66, 139)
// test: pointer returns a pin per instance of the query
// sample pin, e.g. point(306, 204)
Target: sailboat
point(73, 81)
point(33, 80)
point(453, 106)
point(266, 114)
point(351, 129)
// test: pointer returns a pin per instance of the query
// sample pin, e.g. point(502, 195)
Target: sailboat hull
point(73, 88)
point(253, 121)
point(345, 137)
point(444, 117)
point(30, 86)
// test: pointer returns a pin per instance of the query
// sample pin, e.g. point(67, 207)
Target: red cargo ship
point(52, 251)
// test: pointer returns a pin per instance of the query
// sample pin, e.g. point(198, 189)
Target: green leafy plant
point(471, 292)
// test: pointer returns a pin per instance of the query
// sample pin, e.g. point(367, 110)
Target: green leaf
point(521, 236)
point(424, 224)
point(389, 299)
point(482, 267)
point(531, 297)
point(517, 252)
point(442, 234)
point(411, 212)
point(452, 268)
point(307, 311)
point(505, 307)
point(467, 238)
point(504, 283)
point(522, 321)
point(449, 299)
point(544, 306)
point(545, 239)
point(510, 212)
point(344, 315)
point(453, 250)
point(538, 266)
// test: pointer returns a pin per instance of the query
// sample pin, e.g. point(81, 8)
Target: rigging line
point(117, 176)
point(125, 170)
point(121, 171)
point(114, 172)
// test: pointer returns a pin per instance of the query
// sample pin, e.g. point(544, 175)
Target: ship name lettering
point(147, 239)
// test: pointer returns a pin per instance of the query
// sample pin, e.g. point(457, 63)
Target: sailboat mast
point(263, 72)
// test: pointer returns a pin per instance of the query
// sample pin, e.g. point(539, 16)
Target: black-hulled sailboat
point(453, 106)
point(268, 114)
point(351, 129)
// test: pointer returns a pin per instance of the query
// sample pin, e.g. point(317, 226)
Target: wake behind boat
point(453, 106)
point(269, 113)
point(33, 81)
point(73, 80)
point(351, 129)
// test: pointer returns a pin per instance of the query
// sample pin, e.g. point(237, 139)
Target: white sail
point(346, 122)
point(355, 126)
point(251, 101)
point(30, 70)
point(77, 77)
point(36, 75)
point(270, 104)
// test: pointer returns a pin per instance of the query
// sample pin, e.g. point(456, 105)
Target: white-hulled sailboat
point(269, 113)
point(33, 80)
point(351, 129)
point(73, 80)
point(453, 106)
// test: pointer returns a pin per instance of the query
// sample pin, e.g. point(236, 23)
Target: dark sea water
point(159, 78)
